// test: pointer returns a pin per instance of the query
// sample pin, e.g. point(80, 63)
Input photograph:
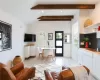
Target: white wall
point(50, 27)
point(75, 36)
point(17, 38)
point(93, 14)
point(84, 15)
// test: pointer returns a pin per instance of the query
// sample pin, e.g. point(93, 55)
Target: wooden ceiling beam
point(64, 6)
point(55, 20)
point(57, 17)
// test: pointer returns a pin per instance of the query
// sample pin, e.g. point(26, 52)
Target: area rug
point(42, 65)
point(50, 67)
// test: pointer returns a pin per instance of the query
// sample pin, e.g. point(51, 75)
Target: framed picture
point(50, 36)
point(5, 36)
point(67, 38)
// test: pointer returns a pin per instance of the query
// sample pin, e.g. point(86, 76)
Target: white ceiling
point(21, 8)
point(69, 1)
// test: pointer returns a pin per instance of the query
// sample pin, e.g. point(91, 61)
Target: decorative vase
point(86, 45)
point(17, 60)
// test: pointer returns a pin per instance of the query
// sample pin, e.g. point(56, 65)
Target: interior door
point(59, 43)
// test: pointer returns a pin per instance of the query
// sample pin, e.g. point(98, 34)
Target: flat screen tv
point(29, 38)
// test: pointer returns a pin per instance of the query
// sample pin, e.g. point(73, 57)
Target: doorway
point(59, 43)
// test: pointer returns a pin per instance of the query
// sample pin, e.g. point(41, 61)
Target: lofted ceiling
point(21, 8)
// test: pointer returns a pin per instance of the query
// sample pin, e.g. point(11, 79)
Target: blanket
point(80, 73)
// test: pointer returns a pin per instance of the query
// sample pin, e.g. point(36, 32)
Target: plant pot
point(86, 44)
point(17, 60)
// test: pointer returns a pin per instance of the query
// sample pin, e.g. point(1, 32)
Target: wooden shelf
point(94, 26)
point(91, 29)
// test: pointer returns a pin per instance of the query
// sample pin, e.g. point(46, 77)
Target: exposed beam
point(64, 6)
point(56, 18)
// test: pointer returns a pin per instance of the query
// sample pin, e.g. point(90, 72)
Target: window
point(58, 35)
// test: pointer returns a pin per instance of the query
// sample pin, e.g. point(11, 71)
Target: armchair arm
point(7, 74)
point(26, 73)
point(17, 68)
point(31, 72)
point(48, 75)
point(88, 71)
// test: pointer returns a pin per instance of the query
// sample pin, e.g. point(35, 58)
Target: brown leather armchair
point(18, 72)
point(65, 74)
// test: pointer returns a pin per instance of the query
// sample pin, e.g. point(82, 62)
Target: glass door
point(59, 43)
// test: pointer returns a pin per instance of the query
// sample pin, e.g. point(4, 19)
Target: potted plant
point(86, 41)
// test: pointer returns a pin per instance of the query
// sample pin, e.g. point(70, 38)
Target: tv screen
point(29, 38)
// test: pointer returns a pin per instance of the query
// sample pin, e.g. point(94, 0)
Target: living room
point(24, 17)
